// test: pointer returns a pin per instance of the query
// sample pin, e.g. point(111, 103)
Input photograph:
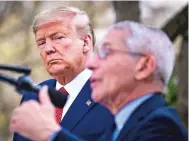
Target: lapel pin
point(88, 102)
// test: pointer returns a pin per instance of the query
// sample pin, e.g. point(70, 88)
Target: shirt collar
point(75, 86)
point(122, 117)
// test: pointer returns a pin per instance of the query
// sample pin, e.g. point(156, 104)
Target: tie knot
point(63, 90)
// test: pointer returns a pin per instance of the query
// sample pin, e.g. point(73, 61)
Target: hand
point(35, 120)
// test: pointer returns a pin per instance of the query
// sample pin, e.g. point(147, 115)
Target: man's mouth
point(94, 82)
point(53, 61)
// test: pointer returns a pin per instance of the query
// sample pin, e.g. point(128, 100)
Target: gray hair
point(148, 40)
point(79, 18)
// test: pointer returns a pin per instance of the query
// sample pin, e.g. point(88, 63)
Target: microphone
point(24, 83)
point(57, 98)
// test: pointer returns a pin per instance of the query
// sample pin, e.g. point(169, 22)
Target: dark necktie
point(59, 111)
point(110, 132)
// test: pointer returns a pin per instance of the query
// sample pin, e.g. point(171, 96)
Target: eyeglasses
point(103, 52)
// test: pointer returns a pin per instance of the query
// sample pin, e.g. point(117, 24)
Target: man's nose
point(49, 46)
point(92, 63)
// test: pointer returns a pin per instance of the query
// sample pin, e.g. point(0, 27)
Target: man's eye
point(106, 51)
point(58, 37)
point(40, 43)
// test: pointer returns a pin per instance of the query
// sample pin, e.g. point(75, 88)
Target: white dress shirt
point(74, 87)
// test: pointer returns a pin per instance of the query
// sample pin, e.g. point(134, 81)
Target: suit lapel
point(79, 108)
point(156, 101)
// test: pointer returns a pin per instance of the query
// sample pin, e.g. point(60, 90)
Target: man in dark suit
point(132, 67)
point(65, 39)
point(130, 72)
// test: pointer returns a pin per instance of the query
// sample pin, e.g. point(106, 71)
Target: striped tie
point(58, 111)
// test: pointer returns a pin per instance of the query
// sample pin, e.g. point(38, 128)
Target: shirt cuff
point(53, 136)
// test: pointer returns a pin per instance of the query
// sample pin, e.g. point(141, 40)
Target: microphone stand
point(24, 83)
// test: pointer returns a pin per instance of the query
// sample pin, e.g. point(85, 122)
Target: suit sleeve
point(160, 129)
point(65, 135)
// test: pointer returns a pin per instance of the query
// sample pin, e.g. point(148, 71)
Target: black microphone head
point(57, 98)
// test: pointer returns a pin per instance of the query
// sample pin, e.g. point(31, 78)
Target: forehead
point(116, 37)
point(50, 28)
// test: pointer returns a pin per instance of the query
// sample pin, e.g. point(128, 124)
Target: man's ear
point(87, 43)
point(145, 67)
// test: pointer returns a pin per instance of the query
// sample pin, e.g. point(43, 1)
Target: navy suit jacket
point(88, 122)
point(152, 121)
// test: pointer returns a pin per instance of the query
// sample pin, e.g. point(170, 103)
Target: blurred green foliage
point(171, 94)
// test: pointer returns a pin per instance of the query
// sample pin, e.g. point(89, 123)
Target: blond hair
point(79, 18)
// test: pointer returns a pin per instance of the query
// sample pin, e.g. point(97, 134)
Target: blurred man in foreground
point(131, 69)
point(65, 39)
point(133, 66)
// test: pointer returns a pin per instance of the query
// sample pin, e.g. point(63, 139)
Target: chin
point(97, 97)
point(54, 68)
point(55, 71)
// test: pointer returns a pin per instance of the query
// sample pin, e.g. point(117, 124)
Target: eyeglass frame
point(104, 51)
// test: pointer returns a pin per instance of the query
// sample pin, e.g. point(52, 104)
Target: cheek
point(111, 83)
point(111, 74)
point(75, 56)
point(110, 79)
point(74, 59)
point(70, 49)
point(64, 47)
point(117, 76)
point(43, 56)
point(68, 45)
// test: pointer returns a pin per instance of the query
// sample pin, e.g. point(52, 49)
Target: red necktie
point(58, 111)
